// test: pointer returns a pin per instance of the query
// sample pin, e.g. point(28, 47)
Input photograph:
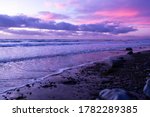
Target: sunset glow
point(118, 13)
point(74, 15)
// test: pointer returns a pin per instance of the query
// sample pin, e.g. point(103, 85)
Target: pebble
point(115, 94)
point(129, 49)
point(130, 53)
point(146, 89)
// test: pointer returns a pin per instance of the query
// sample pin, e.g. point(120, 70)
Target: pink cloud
point(128, 16)
point(49, 16)
point(117, 13)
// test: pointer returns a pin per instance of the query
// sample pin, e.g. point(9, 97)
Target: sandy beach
point(128, 72)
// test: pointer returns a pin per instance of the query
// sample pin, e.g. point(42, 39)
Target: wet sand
point(128, 72)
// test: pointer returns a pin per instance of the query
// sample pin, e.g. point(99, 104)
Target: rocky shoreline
point(122, 77)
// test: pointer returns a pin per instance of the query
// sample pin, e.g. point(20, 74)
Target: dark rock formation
point(129, 49)
point(130, 52)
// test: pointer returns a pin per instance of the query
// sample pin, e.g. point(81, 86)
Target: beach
point(86, 81)
point(28, 61)
point(74, 50)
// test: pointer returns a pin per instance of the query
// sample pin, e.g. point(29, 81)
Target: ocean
point(24, 61)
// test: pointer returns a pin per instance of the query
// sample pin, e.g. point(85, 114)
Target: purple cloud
point(105, 27)
point(66, 26)
point(30, 22)
point(17, 21)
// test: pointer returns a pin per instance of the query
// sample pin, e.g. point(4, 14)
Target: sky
point(74, 19)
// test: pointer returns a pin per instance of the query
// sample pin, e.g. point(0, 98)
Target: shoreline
point(79, 83)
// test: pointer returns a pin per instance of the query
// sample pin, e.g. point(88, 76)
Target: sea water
point(24, 61)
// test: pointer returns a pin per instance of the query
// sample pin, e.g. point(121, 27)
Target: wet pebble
point(115, 94)
point(146, 89)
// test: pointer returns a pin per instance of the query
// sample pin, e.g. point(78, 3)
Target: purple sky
point(75, 19)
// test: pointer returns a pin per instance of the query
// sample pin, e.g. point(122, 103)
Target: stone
point(130, 53)
point(115, 94)
point(146, 89)
point(129, 49)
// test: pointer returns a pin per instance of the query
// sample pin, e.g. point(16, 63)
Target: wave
point(32, 42)
point(111, 46)
point(42, 44)
point(54, 55)
point(5, 60)
point(62, 42)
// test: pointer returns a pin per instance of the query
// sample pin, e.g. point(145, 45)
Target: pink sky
point(94, 19)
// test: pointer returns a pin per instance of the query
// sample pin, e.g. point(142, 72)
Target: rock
point(115, 94)
point(129, 49)
point(18, 90)
point(28, 86)
point(130, 52)
point(16, 96)
point(48, 85)
point(146, 89)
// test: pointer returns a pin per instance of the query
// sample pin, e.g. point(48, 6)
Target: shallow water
point(25, 61)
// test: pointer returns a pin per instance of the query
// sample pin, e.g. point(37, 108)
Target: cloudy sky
point(75, 19)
